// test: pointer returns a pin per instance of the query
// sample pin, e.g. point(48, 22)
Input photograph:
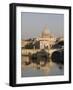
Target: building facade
point(46, 39)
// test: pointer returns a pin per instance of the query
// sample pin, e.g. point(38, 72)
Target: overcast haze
point(32, 24)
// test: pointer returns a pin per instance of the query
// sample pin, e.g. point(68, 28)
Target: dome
point(46, 33)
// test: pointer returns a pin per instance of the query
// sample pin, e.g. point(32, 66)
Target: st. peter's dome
point(46, 33)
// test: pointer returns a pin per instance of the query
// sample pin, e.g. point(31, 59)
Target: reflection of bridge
point(27, 51)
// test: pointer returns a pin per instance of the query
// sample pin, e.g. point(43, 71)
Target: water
point(32, 70)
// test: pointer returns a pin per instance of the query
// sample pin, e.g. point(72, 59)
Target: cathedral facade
point(46, 39)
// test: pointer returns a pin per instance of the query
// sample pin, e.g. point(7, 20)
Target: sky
point(32, 24)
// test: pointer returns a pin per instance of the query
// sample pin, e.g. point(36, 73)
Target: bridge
point(32, 51)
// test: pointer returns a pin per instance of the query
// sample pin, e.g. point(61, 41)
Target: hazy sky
point(32, 24)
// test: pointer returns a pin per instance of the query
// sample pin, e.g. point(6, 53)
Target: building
point(46, 39)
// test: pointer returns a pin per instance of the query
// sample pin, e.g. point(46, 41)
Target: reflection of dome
point(46, 33)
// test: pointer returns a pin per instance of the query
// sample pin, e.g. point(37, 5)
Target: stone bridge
point(27, 51)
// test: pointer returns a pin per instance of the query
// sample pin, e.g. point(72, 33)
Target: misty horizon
point(32, 24)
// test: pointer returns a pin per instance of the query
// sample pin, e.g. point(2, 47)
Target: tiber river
point(32, 70)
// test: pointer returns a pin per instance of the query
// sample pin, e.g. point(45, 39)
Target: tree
point(58, 57)
point(29, 46)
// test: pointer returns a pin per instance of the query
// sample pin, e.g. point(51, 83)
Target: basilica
point(46, 39)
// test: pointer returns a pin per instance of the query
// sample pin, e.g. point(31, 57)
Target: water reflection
point(30, 69)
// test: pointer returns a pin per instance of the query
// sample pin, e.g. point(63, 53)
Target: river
point(33, 70)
